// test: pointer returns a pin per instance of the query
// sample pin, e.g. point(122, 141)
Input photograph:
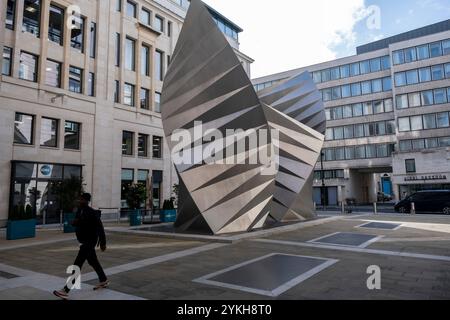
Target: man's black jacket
point(89, 227)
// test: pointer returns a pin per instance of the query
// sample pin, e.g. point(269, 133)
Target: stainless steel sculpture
point(206, 84)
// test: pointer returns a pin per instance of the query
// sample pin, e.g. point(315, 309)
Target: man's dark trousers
point(87, 252)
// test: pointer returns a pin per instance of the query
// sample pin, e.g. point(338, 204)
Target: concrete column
point(18, 33)
point(152, 75)
point(45, 7)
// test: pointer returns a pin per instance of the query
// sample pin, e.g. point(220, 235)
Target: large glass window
point(145, 99)
point(340, 155)
point(346, 91)
point(435, 49)
point(412, 77)
point(356, 89)
point(371, 151)
point(385, 63)
point(437, 72)
point(398, 57)
point(129, 54)
point(10, 14)
point(335, 93)
point(387, 84)
point(317, 77)
point(366, 87)
point(157, 102)
point(128, 94)
point(28, 69)
point(427, 98)
point(388, 105)
point(75, 79)
point(56, 25)
point(440, 96)
point(364, 66)
point(447, 70)
point(72, 131)
point(382, 151)
point(145, 60)
point(429, 121)
point(416, 123)
point(375, 65)
point(347, 111)
point(377, 85)
point(446, 46)
point(127, 143)
point(348, 132)
point(131, 9)
point(401, 101)
point(146, 16)
point(326, 94)
point(414, 100)
point(349, 153)
point(31, 16)
point(358, 130)
point(345, 71)
point(368, 108)
point(143, 145)
point(159, 23)
point(425, 74)
point(410, 55)
point(360, 152)
point(334, 73)
point(49, 132)
point(400, 79)
point(126, 182)
point(77, 34)
point(53, 74)
point(442, 120)
point(354, 69)
point(423, 52)
point(357, 110)
point(378, 107)
point(23, 128)
point(329, 134)
point(93, 40)
point(404, 124)
point(157, 147)
point(7, 61)
point(159, 65)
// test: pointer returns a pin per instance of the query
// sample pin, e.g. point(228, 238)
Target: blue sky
point(286, 34)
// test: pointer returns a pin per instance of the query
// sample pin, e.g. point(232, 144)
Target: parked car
point(383, 197)
point(426, 201)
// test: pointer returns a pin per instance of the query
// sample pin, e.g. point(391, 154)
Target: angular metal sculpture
point(207, 84)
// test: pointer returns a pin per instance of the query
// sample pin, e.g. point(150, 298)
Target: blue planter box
point(135, 218)
point(21, 229)
point(68, 219)
point(168, 215)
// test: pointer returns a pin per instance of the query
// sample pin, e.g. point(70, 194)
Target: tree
point(135, 195)
point(68, 191)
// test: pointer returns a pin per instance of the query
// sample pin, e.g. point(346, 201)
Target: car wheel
point(402, 210)
point(446, 210)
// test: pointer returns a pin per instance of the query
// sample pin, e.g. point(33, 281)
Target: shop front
point(33, 188)
point(414, 183)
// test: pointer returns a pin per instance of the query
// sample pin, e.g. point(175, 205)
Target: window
point(442, 120)
point(400, 79)
point(437, 72)
point(159, 65)
point(349, 153)
point(116, 91)
point(77, 34)
point(10, 14)
point(444, 142)
point(385, 63)
point(157, 102)
point(378, 107)
point(431, 143)
point(340, 155)
point(145, 99)
point(49, 132)
point(28, 69)
point(7, 61)
point(131, 9)
point(446, 47)
point(410, 165)
point(414, 100)
point(129, 54)
point(360, 152)
point(348, 132)
point(93, 40)
point(329, 155)
point(377, 85)
point(56, 25)
point(72, 132)
point(145, 60)
point(429, 121)
point(357, 110)
point(366, 87)
point(364, 66)
point(358, 130)
point(424, 74)
point(412, 77)
point(447, 70)
point(334, 73)
point(375, 65)
point(387, 84)
point(143, 145)
point(418, 144)
point(345, 71)
point(416, 123)
point(326, 75)
point(423, 52)
point(427, 98)
point(354, 69)
point(75, 79)
point(23, 128)
point(337, 113)
point(404, 125)
point(388, 105)
point(157, 147)
point(347, 111)
point(382, 151)
point(369, 129)
point(53, 74)
point(371, 151)
point(329, 135)
point(398, 57)
point(326, 94)
point(128, 94)
point(127, 143)
point(390, 127)
point(405, 145)
point(401, 101)
point(127, 179)
point(31, 16)
point(117, 46)
point(335, 93)
point(317, 77)
point(159, 23)
point(91, 84)
point(440, 96)
point(146, 16)
point(368, 109)
point(435, 49)
point(327, 114)
point(410, 55)
point(346, 91)
point(356, 89)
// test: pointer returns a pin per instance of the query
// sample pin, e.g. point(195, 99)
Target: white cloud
point(286, 34)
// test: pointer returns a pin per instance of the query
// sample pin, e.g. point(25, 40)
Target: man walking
point(90, 233)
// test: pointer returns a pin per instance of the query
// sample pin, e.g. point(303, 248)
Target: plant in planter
point(168, 213)
point(135, 195)
point(69, 191)
point(21, 223)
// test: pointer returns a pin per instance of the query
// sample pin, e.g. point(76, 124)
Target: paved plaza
point(324, 259)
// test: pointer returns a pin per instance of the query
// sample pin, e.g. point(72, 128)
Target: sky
point(286, 34)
